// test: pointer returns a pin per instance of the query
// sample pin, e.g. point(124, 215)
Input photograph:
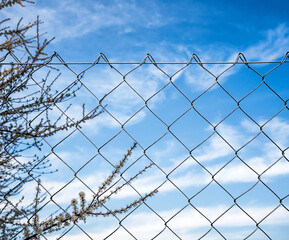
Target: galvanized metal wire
point(212, 224)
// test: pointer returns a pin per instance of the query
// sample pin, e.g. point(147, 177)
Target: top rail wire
point(180, 63)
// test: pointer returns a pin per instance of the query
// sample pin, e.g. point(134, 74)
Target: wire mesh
point(214, 135)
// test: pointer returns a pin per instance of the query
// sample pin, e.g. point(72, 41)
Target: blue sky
point(139, 27)
point(166, 29)
point(172, 31)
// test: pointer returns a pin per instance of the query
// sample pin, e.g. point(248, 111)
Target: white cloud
point(183, 224)
point(240, 173)
point(187, 175)
point(203, 78)
point(216, 147)
point(122, 102)
point(236, 172)
point(278, 129)
point(249, 126)
point(187, 224)
point(69, 19)
point(272, 47)
point(233, 173)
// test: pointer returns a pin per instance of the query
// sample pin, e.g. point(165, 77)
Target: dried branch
point(81, 209)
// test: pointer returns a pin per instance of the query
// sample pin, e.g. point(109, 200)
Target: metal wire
point(167, 176)
point(136, 63)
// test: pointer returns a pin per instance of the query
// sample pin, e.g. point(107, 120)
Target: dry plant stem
point(81, 211)
point(17, 106)
point(10, 3)
point(22, 98)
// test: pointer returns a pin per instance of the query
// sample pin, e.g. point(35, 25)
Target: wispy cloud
point(124, 99)
point(188, 223)
point(272, 47)
point(213, 155)
point(70, 19)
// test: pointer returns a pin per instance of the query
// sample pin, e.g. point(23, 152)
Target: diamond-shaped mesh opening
point(190, 177)
point(123, 103)
point(58, 117)
point(262, 104)
point(233, 221)
point(213, 200)
point(277, 177)
point(197, 129)
point(147, 81)
point(277, 129)
point(258, 202)
point(235, 177)
point(276, 223)
point(65, 189)
point(142, 131)
point(82, 104)
point(194, 80)
point(237, 129)
point(63, 171)
point(173, 200)
point(125, 196)
point(80, 150)
point(167, 153)
point(148, 180)
point(142, 223)
point(90, 174)
point(210, 104)
point(115, 149)
point(163, 104)
point(277, 83)
point(260, 153)
point(189, 222)
point(239, 81)
point(101, 129)
point(214, 150)
point(101, 80)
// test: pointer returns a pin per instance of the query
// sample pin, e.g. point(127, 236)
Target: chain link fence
point(207, 148)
